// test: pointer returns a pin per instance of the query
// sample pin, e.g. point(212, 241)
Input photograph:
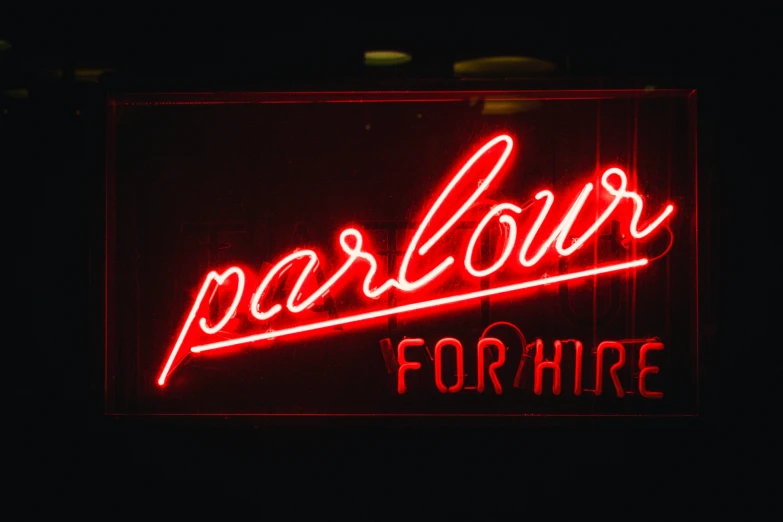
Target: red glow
point(577, 368)
point(219, 279)
point(553, 365)
point(645, 370)
point(561, 233)
point(405, 365)
point(509, 222)
point(351, 243)
point(599, 362)
point(449, 341)
point(484, 344)
point(541, 364)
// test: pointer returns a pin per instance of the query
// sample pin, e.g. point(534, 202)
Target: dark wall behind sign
point(53, 164)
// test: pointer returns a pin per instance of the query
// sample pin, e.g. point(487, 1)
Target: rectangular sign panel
point(460, 253)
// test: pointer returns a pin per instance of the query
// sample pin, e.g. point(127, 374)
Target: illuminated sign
point(351, 242)
point(492, 232)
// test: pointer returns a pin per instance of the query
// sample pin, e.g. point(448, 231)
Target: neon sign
point(540, 364)
point(257, 304)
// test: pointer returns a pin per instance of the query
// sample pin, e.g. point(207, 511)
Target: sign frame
point(364, 96)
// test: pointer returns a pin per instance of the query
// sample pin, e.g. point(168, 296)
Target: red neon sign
point(540, 364)
point(215, 337)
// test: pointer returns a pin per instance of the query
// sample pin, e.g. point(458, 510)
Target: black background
point(52, 165)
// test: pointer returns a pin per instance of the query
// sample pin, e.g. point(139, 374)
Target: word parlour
point(432, 258)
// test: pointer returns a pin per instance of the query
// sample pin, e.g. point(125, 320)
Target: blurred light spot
point(649, 87)
point(500, 106)
point(19, 94)
point(502, 66)
point(5, 45)
point(367, 127)
point(382, 58)
point(89, 74)
point(49, 73)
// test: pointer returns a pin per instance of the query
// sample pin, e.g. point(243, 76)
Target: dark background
point(52, 126)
